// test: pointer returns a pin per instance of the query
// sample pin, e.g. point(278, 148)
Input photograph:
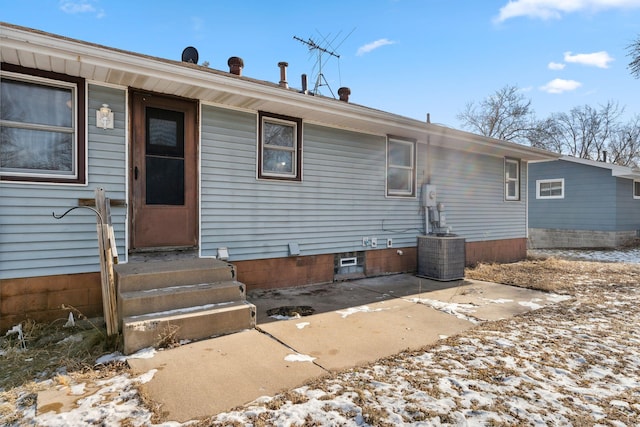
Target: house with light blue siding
point(292, 189)
point(579, 203)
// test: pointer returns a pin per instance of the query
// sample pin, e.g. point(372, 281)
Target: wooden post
point(106, 263)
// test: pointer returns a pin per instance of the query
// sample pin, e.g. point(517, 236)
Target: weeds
point(50, 350)
point(168, 337)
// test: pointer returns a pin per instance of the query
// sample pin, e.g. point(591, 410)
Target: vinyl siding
point(342, 196)
point(590, 201)
point(627, 208)
point(340, 200)
point(32, 242)
point(471, 186)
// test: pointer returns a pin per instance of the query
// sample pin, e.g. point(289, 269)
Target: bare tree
point(624, 147)
point(634, 53)
point(506, 114)
point(583, 132)
point(546, 134)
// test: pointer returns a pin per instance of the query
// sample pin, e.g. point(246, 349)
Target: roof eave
point(119, 67)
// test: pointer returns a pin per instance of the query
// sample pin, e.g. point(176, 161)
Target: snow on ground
point(574, 363)
point(631, 255)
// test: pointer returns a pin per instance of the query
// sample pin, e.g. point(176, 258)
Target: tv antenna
point(321, 50)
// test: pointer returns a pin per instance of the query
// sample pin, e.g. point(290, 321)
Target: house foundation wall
point(41, 298)
point(317, 269)
point(499, 251)
point(285, 272)
point(549, 238)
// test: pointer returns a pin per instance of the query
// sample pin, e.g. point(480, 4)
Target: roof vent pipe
point(344, 93)
point(304, 84)
point(236, 65)
point(283, 74)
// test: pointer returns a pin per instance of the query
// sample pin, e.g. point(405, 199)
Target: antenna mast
point(312, 45)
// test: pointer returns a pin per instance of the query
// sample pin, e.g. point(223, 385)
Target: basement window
point(550, 188)
point(349, 265)
point(42, 121)
point(511, 179)
point(279, 147)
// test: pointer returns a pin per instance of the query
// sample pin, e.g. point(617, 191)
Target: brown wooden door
point(163, 172)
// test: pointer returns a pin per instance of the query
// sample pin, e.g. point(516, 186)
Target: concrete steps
point(182, 299)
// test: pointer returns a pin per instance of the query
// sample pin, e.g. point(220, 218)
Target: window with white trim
point(401, 167)
point(550, 188)
point(636, 189)
point(42, 126)
point(279, 147)
point(511, 179)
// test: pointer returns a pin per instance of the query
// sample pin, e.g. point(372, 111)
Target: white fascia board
point(318, 109)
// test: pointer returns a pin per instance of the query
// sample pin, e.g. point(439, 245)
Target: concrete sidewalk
point(356, 323)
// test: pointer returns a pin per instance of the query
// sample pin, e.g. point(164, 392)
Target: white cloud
point(554, 9)
point(556, 66)
point(560, 86)
point(80, 6)
point(597, 59)
point(72, 7)
point(373, 45)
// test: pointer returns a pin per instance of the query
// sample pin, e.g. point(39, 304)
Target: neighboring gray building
point(578, 203)
point(288, 187)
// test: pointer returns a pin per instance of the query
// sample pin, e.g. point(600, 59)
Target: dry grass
point(555, 275)
point(51, 350)
point(63, 355)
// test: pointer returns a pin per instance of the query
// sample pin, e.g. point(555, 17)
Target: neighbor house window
point(636, 189)
point(511, 179)
point(279, 147)
point(42, 126)
point(550, 188)
point(401, 167)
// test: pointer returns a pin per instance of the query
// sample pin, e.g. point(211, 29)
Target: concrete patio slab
point(356, 323)
point(207, 377)
point(339, 295)
point(359, 335)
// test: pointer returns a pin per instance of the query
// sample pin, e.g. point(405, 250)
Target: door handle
point(135, 173)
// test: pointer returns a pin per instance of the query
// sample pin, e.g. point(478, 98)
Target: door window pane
point(165, 181)
point(164, 157)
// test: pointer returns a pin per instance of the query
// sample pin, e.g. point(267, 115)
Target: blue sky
point(409, 57)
